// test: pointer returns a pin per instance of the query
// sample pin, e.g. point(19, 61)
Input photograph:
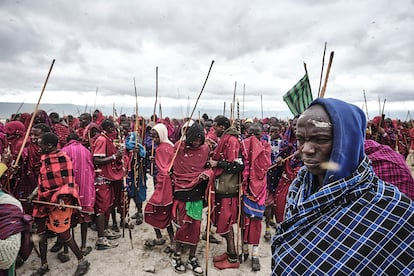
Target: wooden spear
point(244, 92)
point(208, 226)
point(16, 162)
point(323, 63)
point(156, 93)
point(327, 75)
point(54, 204)
point(153, 117)
point(380, 122)
point(18, 109)
point(191, 115)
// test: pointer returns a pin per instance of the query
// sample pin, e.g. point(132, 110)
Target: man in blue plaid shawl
point(340, 217)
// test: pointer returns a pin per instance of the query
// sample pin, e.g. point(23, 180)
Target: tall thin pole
point(244, 92)
point(322, 94)
point(26, 136)
point(261, 104)
point(323, 63)
point(233, 102)
point(96, 95)
point(224, 109)
point(156, 93)
point(366, 105)
point(191, 115)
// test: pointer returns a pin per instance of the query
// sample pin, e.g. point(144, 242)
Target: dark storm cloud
point(262, 44)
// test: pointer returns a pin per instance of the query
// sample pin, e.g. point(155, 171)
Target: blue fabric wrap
point(131, 142)
point(349, 124)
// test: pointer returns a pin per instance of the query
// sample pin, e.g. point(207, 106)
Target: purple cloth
point(390, 166)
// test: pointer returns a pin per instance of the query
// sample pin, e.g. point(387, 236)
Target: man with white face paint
point(340, 217)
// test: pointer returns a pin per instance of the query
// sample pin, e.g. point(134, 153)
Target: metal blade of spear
point(26, 136)
point(191, 115)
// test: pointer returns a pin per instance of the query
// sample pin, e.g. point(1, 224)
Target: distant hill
point(8, 108)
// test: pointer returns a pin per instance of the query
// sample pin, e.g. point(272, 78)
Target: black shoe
point(139, 219)
point(255, 264)
point(212, 238)
point(63, 257)
point(40, 271)
point(130, 226)
point(105, 244)
point(82, 268)
point(57, 246)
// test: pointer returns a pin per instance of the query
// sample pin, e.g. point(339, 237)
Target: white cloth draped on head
point(162, 131)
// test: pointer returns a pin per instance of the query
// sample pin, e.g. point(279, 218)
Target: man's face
point(274, 132)
point(218, 129)
point(45, 148)
point(84, 121)
point(314, 136)
point(155, 137)
point(197, 142)
point(35, 134)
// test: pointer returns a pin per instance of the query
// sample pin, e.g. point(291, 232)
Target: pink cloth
point(84, 171)
point(163, 194)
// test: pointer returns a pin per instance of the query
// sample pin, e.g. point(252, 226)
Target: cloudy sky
point(261, 45)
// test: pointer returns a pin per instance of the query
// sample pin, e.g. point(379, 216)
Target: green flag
point(299, 97)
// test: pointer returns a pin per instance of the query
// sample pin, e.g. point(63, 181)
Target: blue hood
point(349, 126)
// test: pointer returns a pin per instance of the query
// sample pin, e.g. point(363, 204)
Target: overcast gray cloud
point(262, 44)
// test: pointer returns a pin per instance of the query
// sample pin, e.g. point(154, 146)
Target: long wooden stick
point(153, 117)
point(380, 122)
point(244, 92)
point(366, 105)
point(18, 109)
point(327, 75)
point(281, 161)
point(233, 103)
point(323, 63)
point(261, 104)
point(156, 92)
point(208, 226)
point(54, 204)
point(191, 115)
point(26, 136)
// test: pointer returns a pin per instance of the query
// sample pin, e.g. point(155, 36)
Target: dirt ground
point(123, 260)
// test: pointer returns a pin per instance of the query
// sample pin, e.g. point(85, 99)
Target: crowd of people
point(333, 192)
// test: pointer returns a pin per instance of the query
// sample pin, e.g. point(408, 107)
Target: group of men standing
point(237, 170)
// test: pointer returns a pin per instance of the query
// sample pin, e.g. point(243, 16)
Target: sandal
point(177, 264)
point(168, 250)
point(267, 236)
point(154, 242)
point(139, 219)
point(63, 257)
point(255, 264)
point(194, 266)
point(83, 267)
point(41, 271)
